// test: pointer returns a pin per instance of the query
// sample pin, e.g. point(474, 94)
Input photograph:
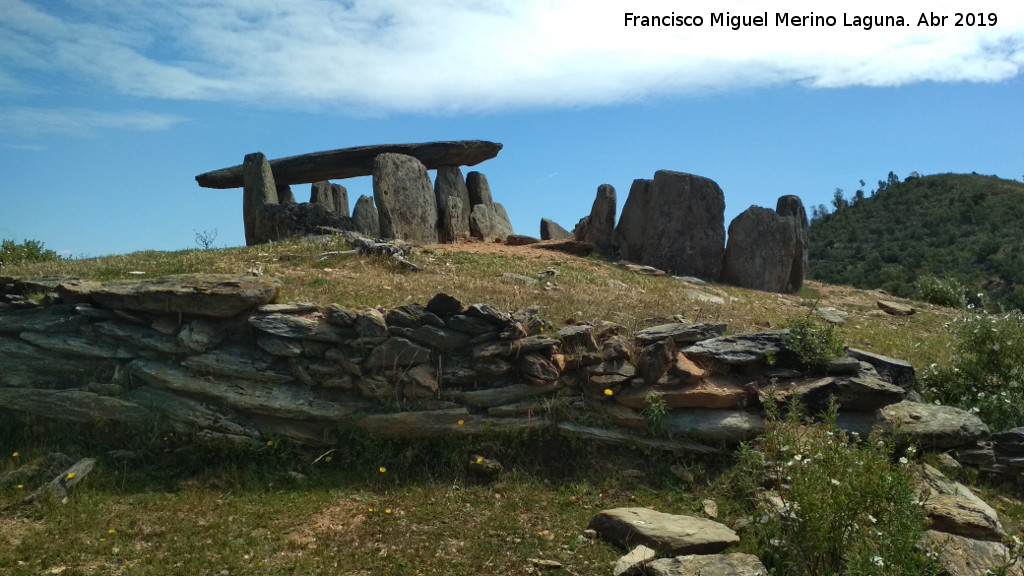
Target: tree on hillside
point(838, 202)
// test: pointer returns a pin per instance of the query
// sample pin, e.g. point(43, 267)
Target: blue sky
point(108, 109)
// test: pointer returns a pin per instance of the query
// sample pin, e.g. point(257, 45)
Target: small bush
point(941, 292)
point(841, 507)
point(984, 375)
point(814, 342)
point(26, 252)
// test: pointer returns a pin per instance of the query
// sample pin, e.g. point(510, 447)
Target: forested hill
point(965, 227)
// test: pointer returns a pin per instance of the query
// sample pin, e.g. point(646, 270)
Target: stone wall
point(214, 357)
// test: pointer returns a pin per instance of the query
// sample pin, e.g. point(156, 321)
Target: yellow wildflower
point(608, 392)
point(479, 460)
point(15, 455)
point(111, 531)
point(388, 511)
point(21, 487)
point(71, 475)
point(461, 422)
point(383, 469)
point(371, 509)
point(270, 442)
point(327, 459)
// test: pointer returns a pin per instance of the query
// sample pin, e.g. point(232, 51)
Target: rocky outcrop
point(405, 199)
point(550, 230)
point(358, 161)
point(598, 228)
point(365, 219)
point(763, 247)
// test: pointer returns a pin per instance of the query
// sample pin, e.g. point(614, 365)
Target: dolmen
point(405, 205)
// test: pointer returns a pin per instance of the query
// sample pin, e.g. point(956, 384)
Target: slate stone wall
point(214, 357)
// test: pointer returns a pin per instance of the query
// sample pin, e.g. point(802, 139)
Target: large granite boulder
point(550, 230)
point(599, 227)
point(365, 219)
point(333, 197)
point(762, 249)
point(453, 205)
point(259, 190)
point(685, 231)
point(405, 199)
point(792, 206)
point(632, 227)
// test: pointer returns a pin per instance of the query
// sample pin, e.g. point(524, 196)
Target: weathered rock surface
point(333, 197)
point(405, 199)
point(489, 221)
point(73, 405)
point(726, 426)
point(961, 556)
point(899, 372)
point(791, 206)
point(630, 233)
point(280, 221)
point(740, 350)
point(599, 227)
point(358, 161)
point(953, 508)
point(895, 308)
point(832, 315)
point(762, 248)
point(685, 225)
point(479, 189)
point(365, 219)
point(259, 190)
point(681, 333)
point(209, 295)
point(862, 392)
point(453, 204)
point(550, 230)
point(713, 565)
point(632, 564)
point(926, 425)
point(668, 534)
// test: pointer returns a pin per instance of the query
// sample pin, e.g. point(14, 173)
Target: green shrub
point(841, 507)
point(814, 342)
point(656, 410)
point(941, 292)
point(984, 375)
point(27, 251)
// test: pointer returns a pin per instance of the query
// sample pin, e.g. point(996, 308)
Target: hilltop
point(964, 227)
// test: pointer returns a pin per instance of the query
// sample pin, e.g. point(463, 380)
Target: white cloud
point(368, 56)
point(77, 121)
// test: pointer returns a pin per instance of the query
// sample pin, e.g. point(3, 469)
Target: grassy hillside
point(965, 227)
point(276, 510)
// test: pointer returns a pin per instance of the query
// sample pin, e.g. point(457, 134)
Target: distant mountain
point(965, 227)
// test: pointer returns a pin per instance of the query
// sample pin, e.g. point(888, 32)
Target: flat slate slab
point(357, 161)
point(668, 534)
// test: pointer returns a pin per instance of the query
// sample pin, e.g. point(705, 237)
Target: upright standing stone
point(320, 193)
point(761, 252)
point(453, 204)
point(792, 206)
point(501, 225)
point(480, 222)
point(479, 189)
point(365, 219)
point(259, 189)
point(284, 194)
point(632, 227)
point(405, 199)
point(339, 194)
point(599, 228)
point(550, 230)
point(685, 232)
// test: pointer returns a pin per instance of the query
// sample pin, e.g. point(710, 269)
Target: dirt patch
point(341, 521)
